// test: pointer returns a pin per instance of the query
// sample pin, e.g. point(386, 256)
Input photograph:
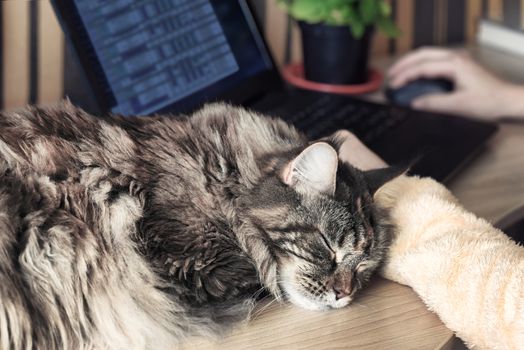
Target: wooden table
point(388, 315)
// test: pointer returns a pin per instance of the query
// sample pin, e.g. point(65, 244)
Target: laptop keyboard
point(328, 113)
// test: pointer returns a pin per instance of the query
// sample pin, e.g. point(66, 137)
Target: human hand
point(477, 92)
point(356, 153)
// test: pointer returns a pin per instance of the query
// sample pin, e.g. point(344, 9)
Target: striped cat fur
point(131, 233)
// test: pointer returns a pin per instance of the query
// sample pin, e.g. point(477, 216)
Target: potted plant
point(336, 36)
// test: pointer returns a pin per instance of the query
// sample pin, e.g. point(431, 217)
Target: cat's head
point(320, 224)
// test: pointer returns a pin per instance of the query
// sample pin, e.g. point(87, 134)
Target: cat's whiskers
point(259, 311)
point(362, 305)
point(257, 293)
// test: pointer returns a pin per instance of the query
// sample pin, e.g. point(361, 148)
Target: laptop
point(172, 56)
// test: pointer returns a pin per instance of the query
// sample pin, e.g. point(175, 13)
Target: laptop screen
point(154, 55)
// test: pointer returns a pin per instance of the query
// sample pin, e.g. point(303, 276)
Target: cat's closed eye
point(326, 243)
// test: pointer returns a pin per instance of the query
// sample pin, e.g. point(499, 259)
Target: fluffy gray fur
point(132, 233)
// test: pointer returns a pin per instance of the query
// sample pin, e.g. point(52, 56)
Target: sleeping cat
point(134, 232)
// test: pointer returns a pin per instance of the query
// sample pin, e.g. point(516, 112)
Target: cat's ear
point(377, 178)
point(315, 168)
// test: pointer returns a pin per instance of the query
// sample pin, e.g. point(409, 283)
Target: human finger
point(419, 56)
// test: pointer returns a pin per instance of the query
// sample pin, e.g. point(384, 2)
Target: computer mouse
point(404, 95)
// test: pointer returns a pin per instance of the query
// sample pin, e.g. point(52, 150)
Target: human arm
point(465, 270)
point(477, 92)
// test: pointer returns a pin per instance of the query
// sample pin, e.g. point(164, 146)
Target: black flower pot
point(332, 55)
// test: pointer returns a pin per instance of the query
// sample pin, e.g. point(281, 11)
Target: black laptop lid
point(149, 56)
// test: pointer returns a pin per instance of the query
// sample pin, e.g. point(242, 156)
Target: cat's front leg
point(253, 242)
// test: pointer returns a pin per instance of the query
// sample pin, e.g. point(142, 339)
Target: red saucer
point(294, 74)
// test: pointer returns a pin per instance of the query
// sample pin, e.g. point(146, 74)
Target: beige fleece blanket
point(465, 270)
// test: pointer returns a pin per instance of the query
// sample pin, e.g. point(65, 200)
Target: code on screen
point(155, 52)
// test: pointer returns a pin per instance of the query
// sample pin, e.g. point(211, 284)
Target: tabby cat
point(133, 232)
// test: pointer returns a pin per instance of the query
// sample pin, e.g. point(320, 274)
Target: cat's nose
point(342, 289)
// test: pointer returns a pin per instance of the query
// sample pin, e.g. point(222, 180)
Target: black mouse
point(404, 95)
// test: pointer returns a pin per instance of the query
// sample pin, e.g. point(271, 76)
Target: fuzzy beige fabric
point(465, 270)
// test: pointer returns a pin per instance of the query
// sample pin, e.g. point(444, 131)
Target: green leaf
point(341, 15)
point(331, 21)
point(388, 27)
point(335, 4)
point(384, 8)
point(358, 14)
point(347, 13)
point(357, 29)
point(368, 11)
point(335, 17)
point(352, 16)
point(307, 10)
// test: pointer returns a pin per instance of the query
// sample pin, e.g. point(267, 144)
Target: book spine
point(501, 37)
